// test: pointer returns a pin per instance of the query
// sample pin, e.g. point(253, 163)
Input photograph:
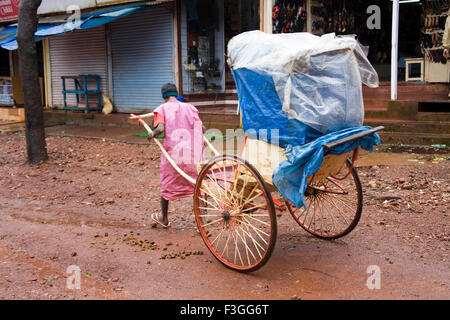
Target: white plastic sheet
point(317, 78)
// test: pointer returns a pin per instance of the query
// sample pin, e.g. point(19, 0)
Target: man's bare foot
point(159, 219)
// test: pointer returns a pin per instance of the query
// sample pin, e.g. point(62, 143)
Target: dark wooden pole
point(28, 65)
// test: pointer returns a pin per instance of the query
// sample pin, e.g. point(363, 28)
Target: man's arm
point(158, 130)
point(147, 115)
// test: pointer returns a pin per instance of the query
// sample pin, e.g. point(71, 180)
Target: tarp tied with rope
point(303, 91)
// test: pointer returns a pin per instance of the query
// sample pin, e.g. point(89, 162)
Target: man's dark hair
point(169, 90)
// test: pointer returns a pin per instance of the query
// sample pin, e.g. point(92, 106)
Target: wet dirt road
point(89, 206)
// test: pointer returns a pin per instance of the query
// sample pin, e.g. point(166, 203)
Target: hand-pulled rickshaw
point(308, 89)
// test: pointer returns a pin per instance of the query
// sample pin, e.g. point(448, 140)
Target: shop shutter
point(142, 46)
point(75, 53)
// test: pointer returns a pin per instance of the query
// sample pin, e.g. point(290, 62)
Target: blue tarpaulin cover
point(262, 109)
point(86, 21)
point(290, 177)
point(304, 91)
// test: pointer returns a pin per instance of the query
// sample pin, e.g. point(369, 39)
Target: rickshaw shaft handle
point(357, 136)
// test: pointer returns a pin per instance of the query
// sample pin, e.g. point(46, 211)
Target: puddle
point(383, 159)
point(425, 149)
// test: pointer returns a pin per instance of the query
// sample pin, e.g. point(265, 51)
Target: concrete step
point(433, 116)
point(414, 138)
point(231, 95)
point(12, 114)
point(11, 126)
point(218, 109)
point(408, 91)
point(230, 84)
point(231, 119)
point(426, 127)
point(412, 132)
point(375, 105)
point(408, 110)
point(393, 110)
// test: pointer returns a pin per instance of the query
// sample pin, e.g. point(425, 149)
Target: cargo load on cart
point(301, 84)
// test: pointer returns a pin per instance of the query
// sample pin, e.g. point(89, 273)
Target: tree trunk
point(28, 65)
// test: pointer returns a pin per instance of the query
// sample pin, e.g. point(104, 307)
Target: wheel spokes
point(332, 208)
point(239, 229)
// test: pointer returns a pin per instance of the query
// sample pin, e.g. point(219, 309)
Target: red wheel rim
point(235, 214)
point(333, 207)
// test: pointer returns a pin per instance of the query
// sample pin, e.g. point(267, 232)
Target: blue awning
point(91, 20)
point(7, 34)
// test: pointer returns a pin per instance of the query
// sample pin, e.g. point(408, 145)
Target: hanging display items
point(289, 16)
point(435, 13)
point(318, 13)
point(350, 17)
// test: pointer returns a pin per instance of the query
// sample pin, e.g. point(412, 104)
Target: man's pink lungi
point(184, 142)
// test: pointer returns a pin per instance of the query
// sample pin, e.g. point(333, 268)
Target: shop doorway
point(5, 80)
point(202, 45)
point(11, 93)
point(4, 63)
point(350, 17)
point(240, 16)
point(206, 28)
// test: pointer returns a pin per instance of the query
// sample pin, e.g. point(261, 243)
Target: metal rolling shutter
point(79, 52)
point(142, 46)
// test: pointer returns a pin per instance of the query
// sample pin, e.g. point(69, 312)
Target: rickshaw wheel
point(235, 213)
point(333, 207)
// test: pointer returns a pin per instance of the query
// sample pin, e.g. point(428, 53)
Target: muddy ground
point(90, 206)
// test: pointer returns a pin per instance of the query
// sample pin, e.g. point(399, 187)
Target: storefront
point(79, 52)
point(206, 27)
point(437, 67)
point(11, 92)
point(421, 26)
point(185, 41)
point(133, 57)
point(6, 92)
point(142, 58)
